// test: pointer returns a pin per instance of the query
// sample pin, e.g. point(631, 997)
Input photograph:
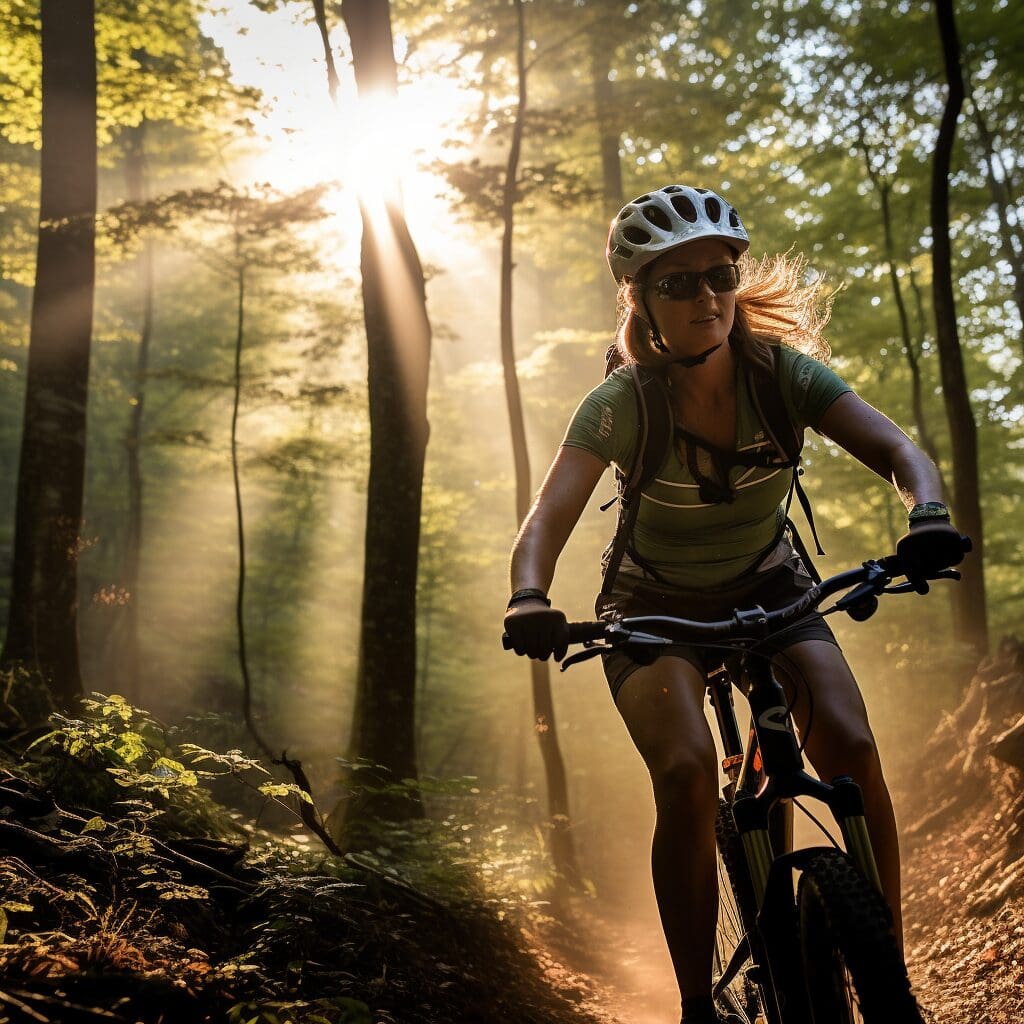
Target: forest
point(296, 300)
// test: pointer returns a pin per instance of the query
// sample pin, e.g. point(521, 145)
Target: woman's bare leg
point(662, 706)
point(840, 742)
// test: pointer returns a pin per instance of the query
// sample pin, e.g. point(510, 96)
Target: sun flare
point(362, 144)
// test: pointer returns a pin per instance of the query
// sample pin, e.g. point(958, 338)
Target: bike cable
point(824, 829)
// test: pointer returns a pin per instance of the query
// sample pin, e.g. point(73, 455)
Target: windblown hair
point(774, 306)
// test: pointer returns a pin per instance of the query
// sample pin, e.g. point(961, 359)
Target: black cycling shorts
point(636, 593)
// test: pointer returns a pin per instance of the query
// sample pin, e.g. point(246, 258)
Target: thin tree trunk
point(243, 658)
point(126, 665)
point(972, 621)
point(1011, 242)
point(608, 145)
point(42, 627)
point(883, 188)
point(561, 843)
point(398, 339)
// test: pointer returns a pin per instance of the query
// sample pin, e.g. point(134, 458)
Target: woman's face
point(689, 326)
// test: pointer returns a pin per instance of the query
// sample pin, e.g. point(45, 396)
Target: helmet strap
point(652, 326)
point(697, 360)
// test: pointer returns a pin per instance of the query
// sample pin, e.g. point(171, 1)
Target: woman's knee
point(686, 779)
point(847, 751)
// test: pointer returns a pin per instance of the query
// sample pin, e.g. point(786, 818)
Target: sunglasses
point(685, 284)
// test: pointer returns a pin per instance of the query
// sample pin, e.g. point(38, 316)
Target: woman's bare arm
point(873, 439)
point(555, 511)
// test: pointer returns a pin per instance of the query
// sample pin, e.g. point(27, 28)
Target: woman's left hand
point(929, 547)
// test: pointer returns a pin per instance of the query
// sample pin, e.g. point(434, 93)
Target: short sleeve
point(605, 422)
point(808, 387)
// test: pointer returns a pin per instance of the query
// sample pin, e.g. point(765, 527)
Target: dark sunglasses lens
point(685, 284)
point(723, 279)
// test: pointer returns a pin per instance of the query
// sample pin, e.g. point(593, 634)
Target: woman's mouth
point(710, 318)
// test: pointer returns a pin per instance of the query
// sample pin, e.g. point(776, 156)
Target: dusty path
point(967, 969)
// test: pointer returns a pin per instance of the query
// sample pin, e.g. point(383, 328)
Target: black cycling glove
point(929, 547)
point(537, 631)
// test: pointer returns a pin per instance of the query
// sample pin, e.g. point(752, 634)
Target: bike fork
point(847, 805)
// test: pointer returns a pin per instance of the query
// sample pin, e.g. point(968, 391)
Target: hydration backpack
point(656, 432)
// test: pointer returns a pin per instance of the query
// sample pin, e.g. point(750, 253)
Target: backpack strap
point(788, 441)
point(654, 435)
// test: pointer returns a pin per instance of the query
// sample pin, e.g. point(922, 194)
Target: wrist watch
point(928, 512)
point(528, 594)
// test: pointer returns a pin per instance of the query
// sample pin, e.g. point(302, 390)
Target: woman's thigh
point(828, 707)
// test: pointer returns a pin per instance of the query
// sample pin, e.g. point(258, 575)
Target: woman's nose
point(704, 289)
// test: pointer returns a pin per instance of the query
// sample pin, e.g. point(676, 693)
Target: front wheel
point(853, 968)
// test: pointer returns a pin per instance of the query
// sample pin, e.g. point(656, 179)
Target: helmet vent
point(672, 188)
point(734, 219)
point(636, 235)
point(684, 207)
point(622, 250)
point(641, 199)
point(714, 209)
point(658, 217)
point(702, 191)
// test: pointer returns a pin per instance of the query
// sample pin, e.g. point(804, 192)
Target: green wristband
point(529, 594)
point(928, 511)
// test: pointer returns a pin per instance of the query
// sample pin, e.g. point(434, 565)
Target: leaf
point(96, 824)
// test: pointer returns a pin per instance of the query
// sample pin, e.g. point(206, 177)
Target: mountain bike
point(804, 936)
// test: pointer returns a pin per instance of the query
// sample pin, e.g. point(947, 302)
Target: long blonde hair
point(774, 306)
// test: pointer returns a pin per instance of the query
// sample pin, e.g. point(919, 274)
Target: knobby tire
point(853, 968)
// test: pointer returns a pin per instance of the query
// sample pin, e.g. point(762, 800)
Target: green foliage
point(152, 762)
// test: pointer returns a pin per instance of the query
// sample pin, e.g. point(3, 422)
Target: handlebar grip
point(581, 632)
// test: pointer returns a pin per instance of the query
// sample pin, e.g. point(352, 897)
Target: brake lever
point(920, 585)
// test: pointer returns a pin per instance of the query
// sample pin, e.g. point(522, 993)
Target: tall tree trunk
point(42, 628)
point(972, 621)
point(126, 660)
point(1001, 199)
point(884, 190)
point(561, 842)
point(243, 656)
point(398, 339)
point(607, 122)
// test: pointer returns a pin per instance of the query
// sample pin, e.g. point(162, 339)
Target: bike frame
point(765, 777)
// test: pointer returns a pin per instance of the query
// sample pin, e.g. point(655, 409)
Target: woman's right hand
point(536, 630)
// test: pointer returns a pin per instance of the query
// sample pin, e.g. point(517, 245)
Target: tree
point(398, 336)
point(562, 850)
point(42, 634)
point(972, 619)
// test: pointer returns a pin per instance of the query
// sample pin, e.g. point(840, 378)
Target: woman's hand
point(536, 630)
point(930, 547)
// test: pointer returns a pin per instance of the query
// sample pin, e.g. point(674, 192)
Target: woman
point(710, 535)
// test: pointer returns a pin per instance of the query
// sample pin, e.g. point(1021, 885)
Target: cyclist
point(710, 535)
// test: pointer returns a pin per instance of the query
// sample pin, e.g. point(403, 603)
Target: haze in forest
point(817, 120)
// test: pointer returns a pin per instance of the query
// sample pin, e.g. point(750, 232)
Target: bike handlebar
point(871, 579)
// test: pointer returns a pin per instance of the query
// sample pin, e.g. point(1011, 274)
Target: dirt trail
point(967, 968)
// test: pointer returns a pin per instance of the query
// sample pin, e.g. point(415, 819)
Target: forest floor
point(128, 895)
point(966, 968)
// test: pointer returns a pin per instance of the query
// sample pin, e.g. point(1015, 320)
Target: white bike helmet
point(661, 220)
